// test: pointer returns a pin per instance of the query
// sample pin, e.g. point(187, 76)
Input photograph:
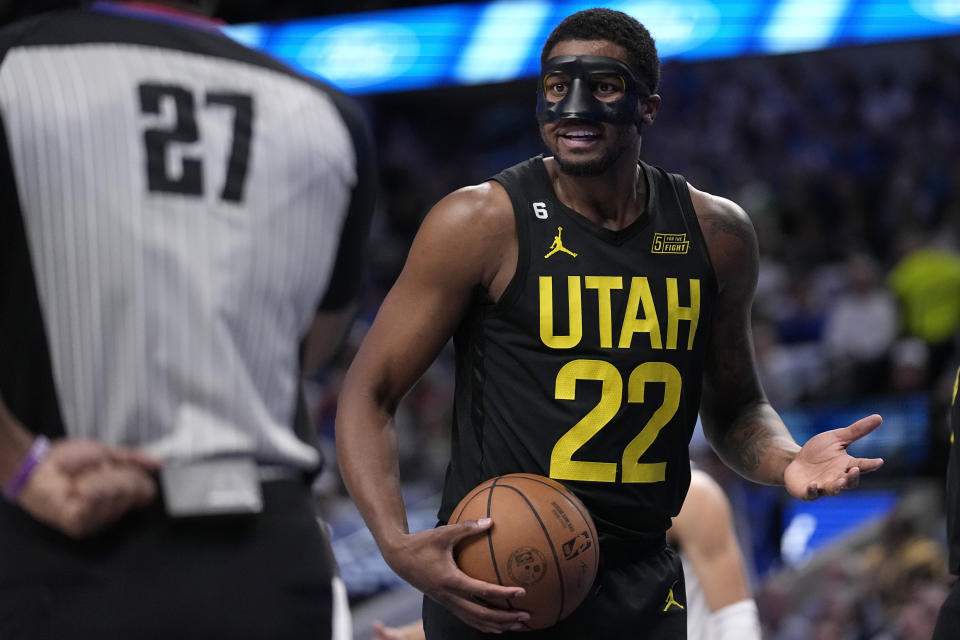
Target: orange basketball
point(542, 539)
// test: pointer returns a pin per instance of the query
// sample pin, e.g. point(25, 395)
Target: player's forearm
point(756, 444)
point(369, 464)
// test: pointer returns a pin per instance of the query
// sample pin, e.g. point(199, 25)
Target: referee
point(182, 229)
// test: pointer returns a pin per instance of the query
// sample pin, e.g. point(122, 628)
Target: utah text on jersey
point(639, 298)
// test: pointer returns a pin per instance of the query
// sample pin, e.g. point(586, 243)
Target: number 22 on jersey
point(562, 464)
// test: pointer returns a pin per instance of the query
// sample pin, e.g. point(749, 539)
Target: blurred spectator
point(926, 281)
point(788, 373)
point(917, 616)
point(902, 560)
point(861, 326)
point(909, 362)
point(829, 612)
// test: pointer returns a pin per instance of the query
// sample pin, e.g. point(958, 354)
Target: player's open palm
point(426, 562)
point(823, 467)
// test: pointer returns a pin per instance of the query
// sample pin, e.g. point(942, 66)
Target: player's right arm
point(738, 420)
point(463, 249)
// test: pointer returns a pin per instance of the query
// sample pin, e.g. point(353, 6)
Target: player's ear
point(649, 107)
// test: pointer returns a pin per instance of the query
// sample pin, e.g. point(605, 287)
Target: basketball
point(541, 539)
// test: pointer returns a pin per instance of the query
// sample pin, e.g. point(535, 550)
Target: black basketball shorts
point(636, 595)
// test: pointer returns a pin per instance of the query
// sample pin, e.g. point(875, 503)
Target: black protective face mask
point(579, 103)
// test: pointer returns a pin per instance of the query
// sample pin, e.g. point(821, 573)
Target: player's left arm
point(738, 421)
point(705, 533)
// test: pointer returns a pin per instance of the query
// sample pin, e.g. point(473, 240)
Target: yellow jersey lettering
point(640, 296)
point(603, 285)
point(546, 314)
point(676, 313)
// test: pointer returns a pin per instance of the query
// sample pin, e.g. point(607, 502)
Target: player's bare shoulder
point(475, 225)
point(730, 236)
point(485, 206)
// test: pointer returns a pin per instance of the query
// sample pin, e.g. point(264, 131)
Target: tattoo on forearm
point(748, 442)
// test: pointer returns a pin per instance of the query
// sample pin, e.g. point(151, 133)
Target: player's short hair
point(616, 27)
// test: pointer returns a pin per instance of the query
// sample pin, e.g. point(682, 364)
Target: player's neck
point(613, 199)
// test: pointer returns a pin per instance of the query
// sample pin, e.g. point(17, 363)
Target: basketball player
point(588, 368)
point(183, 221)
point(719, 604)
point(949, 619)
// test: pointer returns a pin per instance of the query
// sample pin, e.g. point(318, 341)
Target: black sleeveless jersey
point(953, 482)
point(588, 369)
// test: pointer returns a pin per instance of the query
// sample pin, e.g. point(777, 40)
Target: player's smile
point(586, 147)
point(579, 135)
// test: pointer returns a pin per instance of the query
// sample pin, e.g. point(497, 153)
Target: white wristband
point(737, 621)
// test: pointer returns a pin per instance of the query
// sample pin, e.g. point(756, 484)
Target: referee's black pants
point(265, 576)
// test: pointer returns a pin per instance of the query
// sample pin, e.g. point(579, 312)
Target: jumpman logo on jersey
point(671, 601)
point(558, 245)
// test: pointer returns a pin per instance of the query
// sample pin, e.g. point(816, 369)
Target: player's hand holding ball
point(425, 560)
point(542, 539)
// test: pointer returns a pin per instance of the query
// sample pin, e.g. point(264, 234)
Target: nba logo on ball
point(542, 539)
point(575, 546)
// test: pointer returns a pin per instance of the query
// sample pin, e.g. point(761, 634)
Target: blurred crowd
point(847, 163)
point(890, 590)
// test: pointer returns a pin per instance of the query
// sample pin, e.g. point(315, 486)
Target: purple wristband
point(38, 451)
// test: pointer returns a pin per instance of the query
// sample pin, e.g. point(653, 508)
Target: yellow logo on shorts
point(670, 243)
point(671, 601)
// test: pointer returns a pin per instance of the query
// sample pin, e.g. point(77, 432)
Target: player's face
point(589, 105)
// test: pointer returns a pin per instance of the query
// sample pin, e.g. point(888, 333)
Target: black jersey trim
point(10, 36)
point(349, 268)
point(682, 192)
point(478, 374)
point(510, 179)
point(610, 236)
point(26, 373)
point(469, 410)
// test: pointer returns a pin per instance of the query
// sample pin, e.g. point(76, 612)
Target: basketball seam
point(553, 551)
point(467, 501)
point(586, 518)
point(493, 554)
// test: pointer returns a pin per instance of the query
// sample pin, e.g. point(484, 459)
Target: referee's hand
point(81, 487)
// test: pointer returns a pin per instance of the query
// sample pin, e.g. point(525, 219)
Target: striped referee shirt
point(175, 209)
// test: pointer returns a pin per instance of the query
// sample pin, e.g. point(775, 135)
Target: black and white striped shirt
point(175, 209)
